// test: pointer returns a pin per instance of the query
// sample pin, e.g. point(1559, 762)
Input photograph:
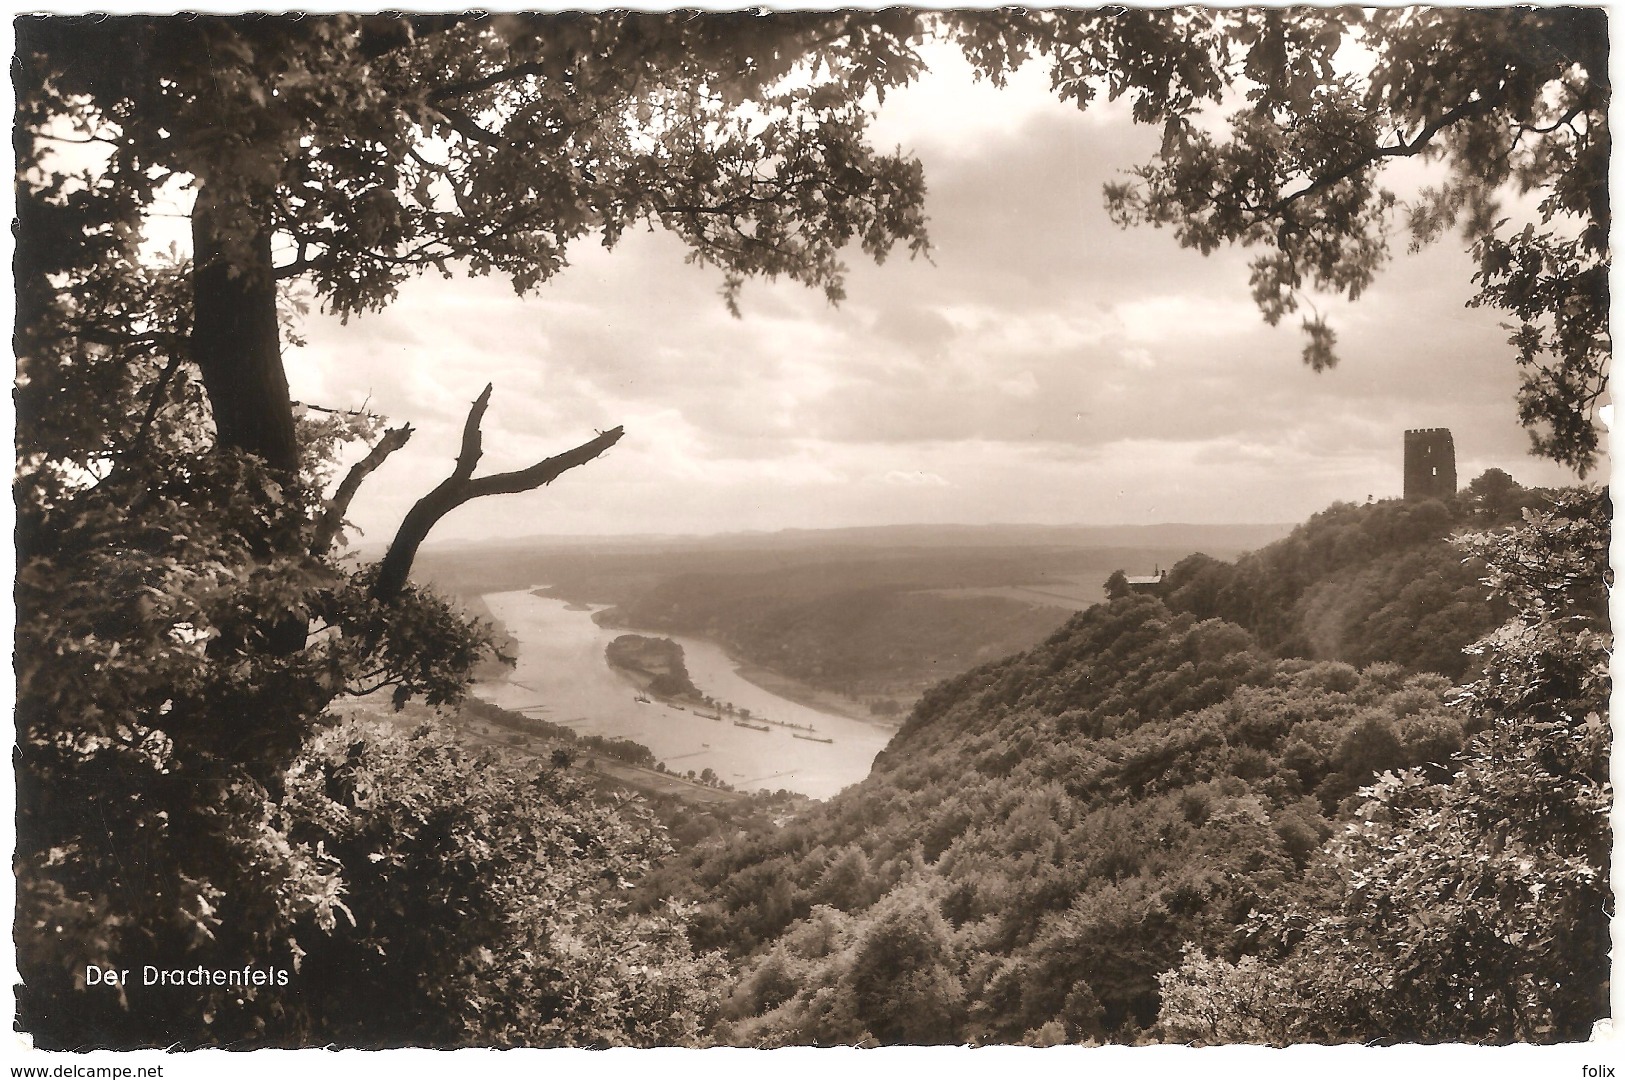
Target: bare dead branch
point(330, 411)
point(332, 519)
point(460, 487)
point(470, 453)
point(543, 472)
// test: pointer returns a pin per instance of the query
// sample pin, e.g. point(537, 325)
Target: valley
point(1070, 838)
point(1258, 785)
point(856, 622)
point(353, 350)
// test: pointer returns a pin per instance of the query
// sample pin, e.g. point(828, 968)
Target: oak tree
point(184, 621)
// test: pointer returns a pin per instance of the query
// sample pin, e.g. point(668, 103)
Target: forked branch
point(332, 519)
point(461, 486)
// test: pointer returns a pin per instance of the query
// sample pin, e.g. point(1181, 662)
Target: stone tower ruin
point(1430, 463)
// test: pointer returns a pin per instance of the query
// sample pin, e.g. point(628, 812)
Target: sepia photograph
point(1079, 528)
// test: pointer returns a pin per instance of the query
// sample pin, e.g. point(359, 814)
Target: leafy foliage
point(183, 627)
point(483, 903)
point(1379, 582)
point(549, 128)
point(889, 978)
point(1476, 909)
point(1075, 814)
point(1511, 101)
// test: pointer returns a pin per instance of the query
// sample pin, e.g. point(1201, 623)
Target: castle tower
point(1430, 463)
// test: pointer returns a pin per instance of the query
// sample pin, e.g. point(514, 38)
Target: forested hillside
point(1090, 840)
point(1363, 583)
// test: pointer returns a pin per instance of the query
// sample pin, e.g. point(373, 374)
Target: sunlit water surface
point(562, 677)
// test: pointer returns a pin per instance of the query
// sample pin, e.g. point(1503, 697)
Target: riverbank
point(776, 683)
point(597, 766)
point(491, 666)
point(813, 697)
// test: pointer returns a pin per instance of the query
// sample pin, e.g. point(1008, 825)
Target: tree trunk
point(236, 342)
point(237, 346)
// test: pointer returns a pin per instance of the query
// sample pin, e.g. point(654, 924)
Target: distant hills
point(1193, 537)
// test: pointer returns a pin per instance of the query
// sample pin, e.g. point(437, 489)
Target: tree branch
point(1378, 153)
point(97, 335)
point(330, 411)
point(457, 90)
point(460, 487)
point(543, 472)
point(1580, 106)
point(464, 125)
point(332, 519)
point(470, 453)
point(297, 268)
point(160, 390)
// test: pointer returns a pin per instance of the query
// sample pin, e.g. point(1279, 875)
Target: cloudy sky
point(1043, 366)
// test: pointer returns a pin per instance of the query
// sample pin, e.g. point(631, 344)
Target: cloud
point(1021, 387)
point(923, 331)
point(949, 112)
point(1042, 365)
point(1156, 319)
point(899, 478)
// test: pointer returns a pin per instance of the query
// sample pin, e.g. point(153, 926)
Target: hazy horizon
point(443, 542)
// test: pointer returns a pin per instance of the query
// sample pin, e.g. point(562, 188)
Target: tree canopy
point(1475, 909)
point(351, 153)
point(1512, 101)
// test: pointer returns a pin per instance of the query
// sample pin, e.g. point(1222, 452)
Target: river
point(562, 676)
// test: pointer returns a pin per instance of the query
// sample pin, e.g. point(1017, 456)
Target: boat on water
point(706, 715)
point(679, 708)
point(809, 738)
point(641, 700)
point(753, 727)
